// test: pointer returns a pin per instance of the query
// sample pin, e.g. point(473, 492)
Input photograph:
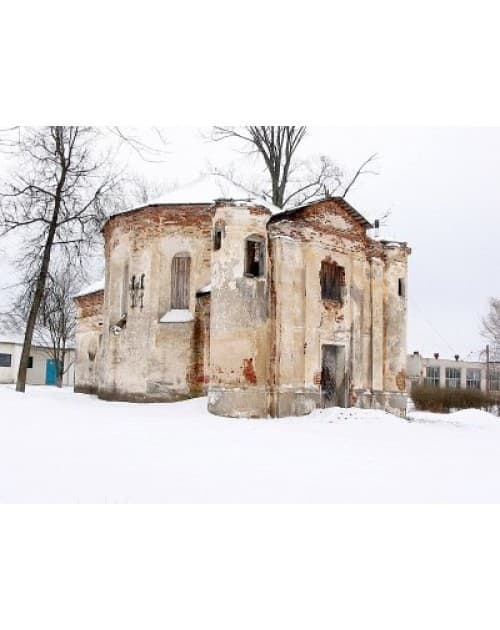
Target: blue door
point(51, 372)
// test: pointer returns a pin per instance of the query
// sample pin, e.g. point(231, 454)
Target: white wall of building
point(37, 374)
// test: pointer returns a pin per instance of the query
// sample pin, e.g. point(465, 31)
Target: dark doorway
point(332, 376)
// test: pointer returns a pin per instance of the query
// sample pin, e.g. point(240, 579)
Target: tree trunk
point(44, 269)
point(60, 367)
point(35, 307)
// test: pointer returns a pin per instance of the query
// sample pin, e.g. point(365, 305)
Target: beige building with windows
point(266, 313)
point(452, 373)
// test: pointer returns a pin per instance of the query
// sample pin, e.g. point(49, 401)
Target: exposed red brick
point(90, 305)
point(249, 371)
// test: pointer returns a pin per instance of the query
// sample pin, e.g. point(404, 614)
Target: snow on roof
point(17, 338)
point(11, 337)
point(206, 190)
point(91, 288)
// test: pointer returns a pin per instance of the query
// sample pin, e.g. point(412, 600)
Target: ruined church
point(268, 314)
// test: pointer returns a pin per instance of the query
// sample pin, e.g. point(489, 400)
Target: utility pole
point(487, 368)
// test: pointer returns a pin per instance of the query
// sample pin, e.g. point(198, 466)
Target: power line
point(414, 303)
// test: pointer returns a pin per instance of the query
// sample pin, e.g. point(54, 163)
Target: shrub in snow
point(443, 399)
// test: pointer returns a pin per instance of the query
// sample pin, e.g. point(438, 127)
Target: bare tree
point(55, 198)
point(139, 189)
point(290, 180)
point(56, 321)
point(152, 150)
point(57, 318)
point(491, 327)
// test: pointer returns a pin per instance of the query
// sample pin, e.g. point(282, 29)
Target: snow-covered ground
point(57, 446)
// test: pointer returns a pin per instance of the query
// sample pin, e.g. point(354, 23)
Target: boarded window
point(254, 257)
point(5, 360)
point(181, 270)
point(332, 281)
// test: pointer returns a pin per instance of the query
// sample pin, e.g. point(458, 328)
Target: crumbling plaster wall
point(255, 344)
point(369, 324)
point(88, 341)
point(150, 359)
point(395, 326)
point(239, 318)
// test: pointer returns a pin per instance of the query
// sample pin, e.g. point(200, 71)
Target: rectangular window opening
point(217, 239)
point(453, 377)
point(5, 360)
point(332, 281)
point(432, 376)
point(473, 379)
point(401, 287)
point(495, 380)
point(254, 258)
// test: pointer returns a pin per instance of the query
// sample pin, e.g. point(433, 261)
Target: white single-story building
point(42, 366)
point(454, 373)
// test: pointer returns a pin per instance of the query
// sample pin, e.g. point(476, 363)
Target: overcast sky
point(440, 185)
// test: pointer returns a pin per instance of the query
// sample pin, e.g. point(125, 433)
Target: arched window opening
point(332, 281)
point(181, 271)
point(254, 256)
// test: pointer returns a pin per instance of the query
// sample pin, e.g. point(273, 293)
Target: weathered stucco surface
point(368, 326)
point(255, 343)
point(150, 360)
point(88, 341)
point(239, 319)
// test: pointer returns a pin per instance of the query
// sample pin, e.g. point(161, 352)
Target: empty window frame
point(401, 287)
point(180, 279)
point(473, 378)
point(432, 376)
point(332, 281)
point(453, 377)
point(218, 235)
point(254, 256)
point(5, 360)
point(30, 362)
